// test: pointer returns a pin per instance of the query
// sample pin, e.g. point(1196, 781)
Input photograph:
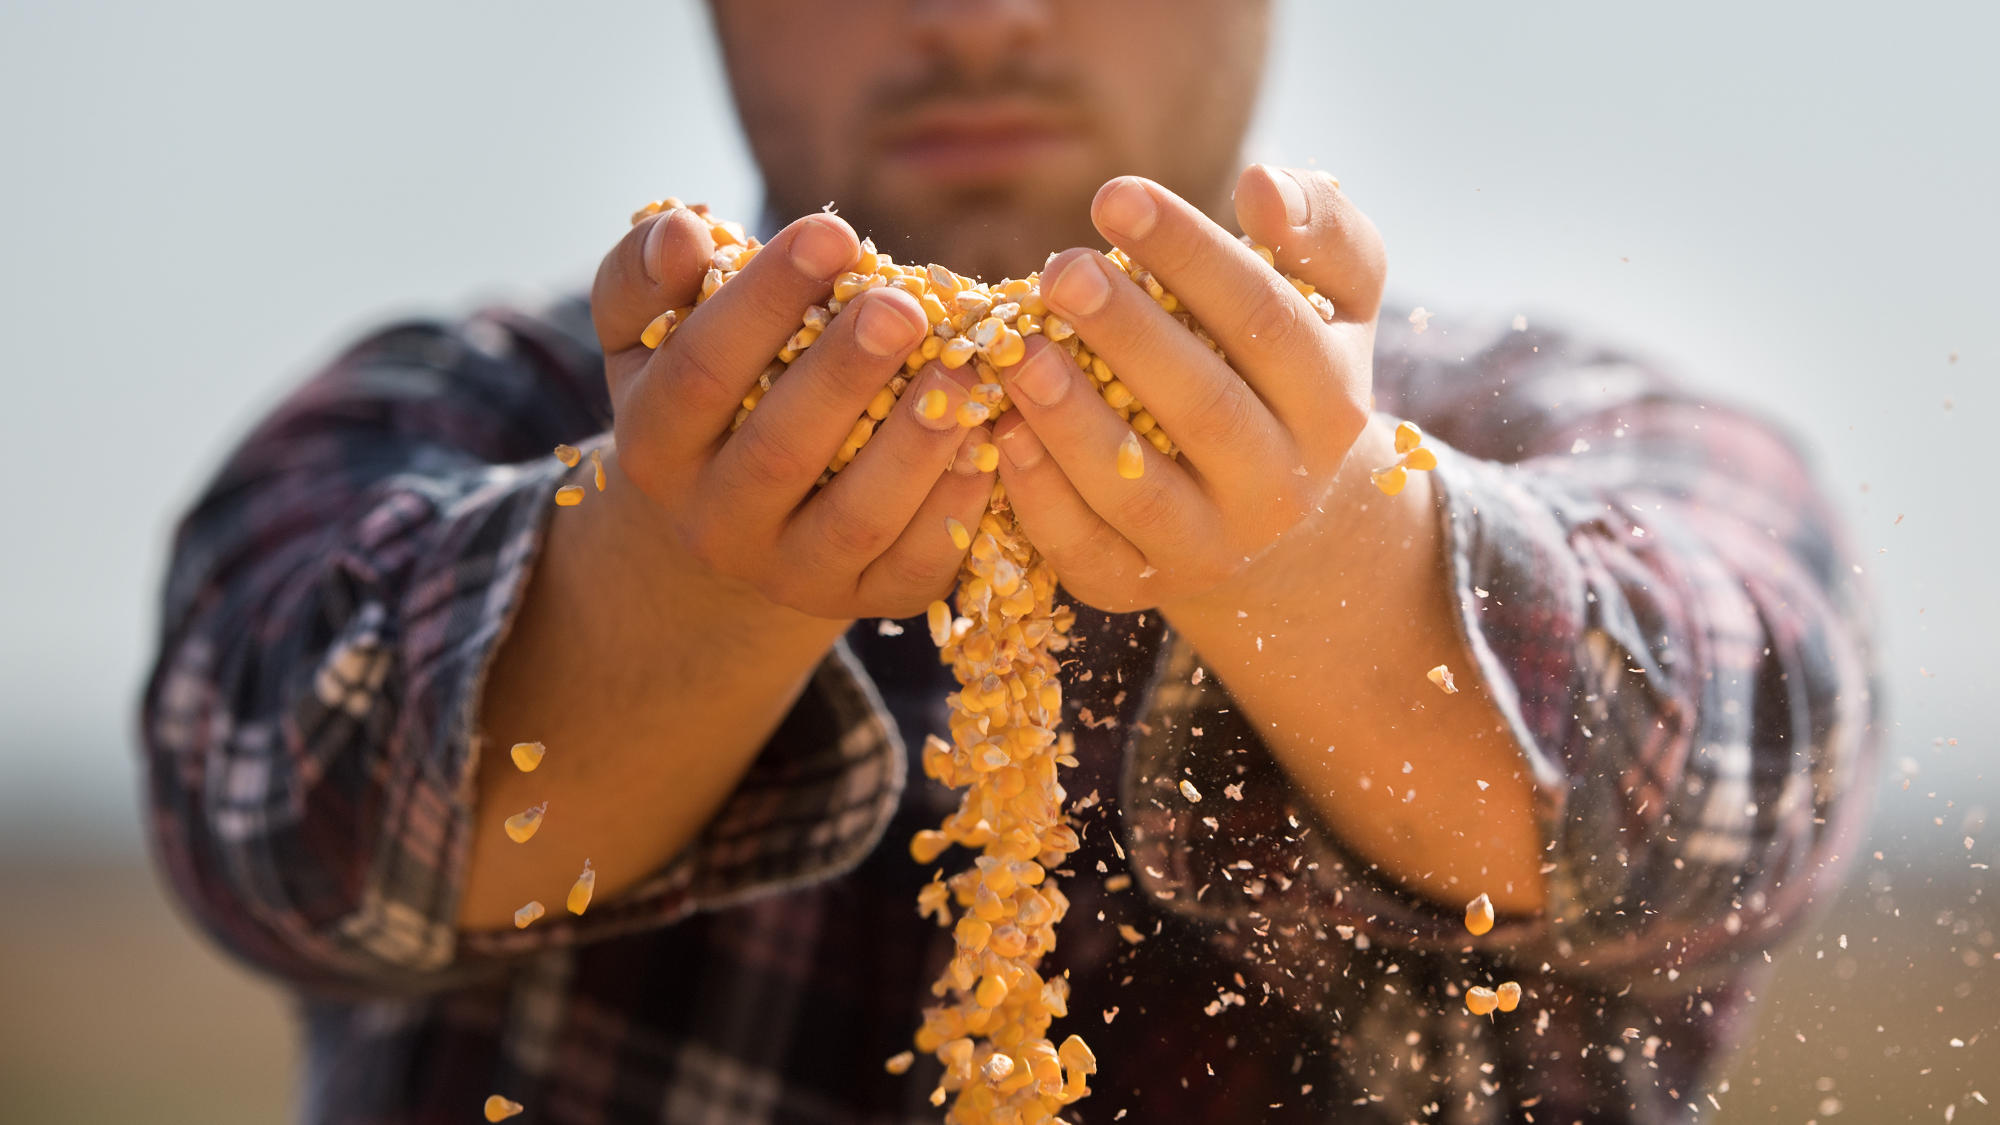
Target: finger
point(1163, 512)
point(694, 384)
point(657, 266)
point(1088, 554)
point(858, 515)
point(1272, 335)
point(1210, 412)
point(768, 466)
point(1316, 233)
point(922, 565)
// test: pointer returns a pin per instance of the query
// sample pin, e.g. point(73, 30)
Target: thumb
point(1316, 233)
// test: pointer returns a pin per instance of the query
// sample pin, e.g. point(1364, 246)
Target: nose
point(977, 36)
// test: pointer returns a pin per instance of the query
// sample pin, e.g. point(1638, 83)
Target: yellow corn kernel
point(972, 933)
point(500, 1109)
point(998, 1066)
point(933, 403)
point(992, 990)
point(523, 825)
point(960, 537)
point(1159, 440)
point(1189, 791)
point(1441, 676)
point(883, 402)
point(1143, 423)
point(862, 430)
point(1390, 480)
point(927, 845)
point(940, 622)
point(986, 458)
point(899, 1063)
point(597, 468)
point(528, 755)
point(581, 890)
point(1421, 458)
point(972, 412)
point(569, 455)
point(569, 496)
point(527, 914)
point(659, 328)
point(1479, 915)
point(1008, 350)
point(1131, 457)
point(1117, 395)
point(1480, 1000)
point(956, 352)
point(1509, 996)
point(1408, 437)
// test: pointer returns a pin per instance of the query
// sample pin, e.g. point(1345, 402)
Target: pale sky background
point(1790, 202)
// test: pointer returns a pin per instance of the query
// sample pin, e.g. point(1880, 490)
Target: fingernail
point(883, 329)
point(1298, 210)
point(932, 405)
point(656, 238)
point(967, 459)
point(1042, 379)
point(820, 251)
point(1081, 289)
point(1129, 209)
point(1023, 449)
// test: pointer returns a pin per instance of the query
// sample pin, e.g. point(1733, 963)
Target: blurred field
point(120, 1013)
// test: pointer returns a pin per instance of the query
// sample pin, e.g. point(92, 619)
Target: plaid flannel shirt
point(1650, 583)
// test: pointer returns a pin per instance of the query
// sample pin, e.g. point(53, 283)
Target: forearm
point(1325, 645)
point(653, 686)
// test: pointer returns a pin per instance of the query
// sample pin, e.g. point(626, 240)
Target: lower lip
point(978, 157)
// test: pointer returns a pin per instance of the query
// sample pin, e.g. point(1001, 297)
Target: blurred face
point(975, 132)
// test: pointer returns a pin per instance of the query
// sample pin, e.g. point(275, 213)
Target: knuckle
point(766, 463)
point(849, 530)
point(1272, 319)
point(1225, 416)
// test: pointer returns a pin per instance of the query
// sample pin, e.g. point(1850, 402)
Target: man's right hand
point(743, 505)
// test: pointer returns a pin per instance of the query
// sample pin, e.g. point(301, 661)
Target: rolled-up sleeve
point(334, 601)
point(1658, 600)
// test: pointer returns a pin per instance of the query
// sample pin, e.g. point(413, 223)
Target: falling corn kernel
point(1131, 457)
point(986, 457)
point(1408, 437)
point(1479, 915)
point(1421, 459)
point(1390, 480)
point(1480, 1000)
point(899, 1063)
point(1441, 676)
point(569, 496)
point(528, 755)
point(500, 1109)
point(1189, 791)
point(580, 892)
point(960, 537)
point(523, 825)
point(940, 622)
point(527, 914)
point(597, 468)
point(1509, 996)
point(569, 455)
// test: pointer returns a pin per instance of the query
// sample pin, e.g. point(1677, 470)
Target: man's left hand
point(1263, 434)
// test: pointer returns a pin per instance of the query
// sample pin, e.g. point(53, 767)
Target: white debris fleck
point(1420, 318)
point(1520, 323)
point(1189, 791)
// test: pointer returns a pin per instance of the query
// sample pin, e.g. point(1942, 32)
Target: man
point(1650, 766)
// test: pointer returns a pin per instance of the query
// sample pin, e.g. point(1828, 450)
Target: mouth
point(976, 142)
